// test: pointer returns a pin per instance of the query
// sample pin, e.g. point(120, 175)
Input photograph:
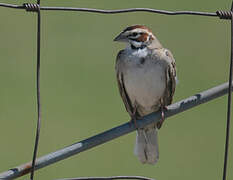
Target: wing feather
point(121, 86)
point(170, 79)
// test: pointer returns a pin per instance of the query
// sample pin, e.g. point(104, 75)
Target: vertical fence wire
point(228, 104)
point(37, 92)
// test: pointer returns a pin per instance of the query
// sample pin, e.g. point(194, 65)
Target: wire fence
point(126, 128)
point(116, 132)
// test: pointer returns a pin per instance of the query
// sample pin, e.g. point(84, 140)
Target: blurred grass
point(80, 97)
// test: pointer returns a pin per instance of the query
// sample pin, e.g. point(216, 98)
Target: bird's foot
point(160, 123)
point(133, 122)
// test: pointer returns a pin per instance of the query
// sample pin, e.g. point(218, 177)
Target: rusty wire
point(37, 8)
point(101, 138)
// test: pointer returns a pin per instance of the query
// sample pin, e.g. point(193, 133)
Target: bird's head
point(138, 36)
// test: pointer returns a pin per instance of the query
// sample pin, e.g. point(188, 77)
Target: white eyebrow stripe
point(139, 30)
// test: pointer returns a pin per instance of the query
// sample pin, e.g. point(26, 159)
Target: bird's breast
point(145, 81)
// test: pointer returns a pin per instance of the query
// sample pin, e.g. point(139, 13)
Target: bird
point(146, 78)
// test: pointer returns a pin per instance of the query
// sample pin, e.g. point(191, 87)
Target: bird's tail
point(146, 146)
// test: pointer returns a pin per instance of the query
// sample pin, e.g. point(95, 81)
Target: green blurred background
point(80, 96)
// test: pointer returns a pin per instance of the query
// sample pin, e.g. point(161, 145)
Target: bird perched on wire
point(146, 76)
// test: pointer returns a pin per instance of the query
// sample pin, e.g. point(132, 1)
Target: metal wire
point(224, 14)
point(109, 178)
point(228, 105)
point(12, 6)
point(102, 11)
point(130, 10)
point(116, 132)
point(37, 9)
point(31, 7)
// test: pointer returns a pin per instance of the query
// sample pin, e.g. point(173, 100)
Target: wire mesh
point(126, 128)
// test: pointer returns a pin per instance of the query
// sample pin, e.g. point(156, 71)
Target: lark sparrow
point(146, 76)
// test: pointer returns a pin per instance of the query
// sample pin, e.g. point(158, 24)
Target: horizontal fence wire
point(109, 178)
point(102, 11)
point(116, 132)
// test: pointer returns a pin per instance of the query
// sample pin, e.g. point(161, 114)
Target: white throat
point(136, 44)
point(138, 52)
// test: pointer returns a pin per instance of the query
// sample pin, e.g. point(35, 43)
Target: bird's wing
point(170, 78)
point(120, 81)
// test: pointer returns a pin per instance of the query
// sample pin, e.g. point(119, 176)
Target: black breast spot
point(142, 60)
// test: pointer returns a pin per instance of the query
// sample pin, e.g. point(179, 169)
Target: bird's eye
point(134, 34)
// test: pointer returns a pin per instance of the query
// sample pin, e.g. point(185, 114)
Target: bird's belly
point(145, 85)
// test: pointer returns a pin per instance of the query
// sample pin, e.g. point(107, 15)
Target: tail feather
point(146, 146)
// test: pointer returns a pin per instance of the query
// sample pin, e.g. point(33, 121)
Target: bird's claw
point(133, 122)
point(160, 123)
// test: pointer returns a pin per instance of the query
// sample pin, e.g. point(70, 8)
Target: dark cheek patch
point(142, 38)
point(151, 38)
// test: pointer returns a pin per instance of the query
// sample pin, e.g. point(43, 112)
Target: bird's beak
point(121, 38)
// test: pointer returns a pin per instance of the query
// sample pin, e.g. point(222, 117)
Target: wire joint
point(224, 14)
point(31, 7)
